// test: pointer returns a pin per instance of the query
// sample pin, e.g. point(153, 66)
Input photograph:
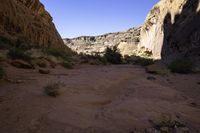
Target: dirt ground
point(97, 99)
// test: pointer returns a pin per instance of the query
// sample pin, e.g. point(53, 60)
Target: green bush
point(94, 59)
point(144, 61)
point(112, 55)
point(57, 52)
point(41, 63)
point(2, 73)
point(181, 66)
point(53, 89)
point(67, 65)
point(5, 43)
point(16, 53)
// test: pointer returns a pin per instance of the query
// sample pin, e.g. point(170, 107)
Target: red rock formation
point(28, 21)
point(172, 27)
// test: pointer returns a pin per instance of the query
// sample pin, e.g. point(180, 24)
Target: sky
point(74, 18)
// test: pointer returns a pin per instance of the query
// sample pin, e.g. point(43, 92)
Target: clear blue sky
point(94, 17)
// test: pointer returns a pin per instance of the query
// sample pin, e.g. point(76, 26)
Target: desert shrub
point(144, 61)
point(17, 53)
point(94, 59)
point(5, 43)
point(41, 63)
point(163, 72)
point(2, 72)
point(57, 52)
point(181, 66)
point(53, 89)
point(67, 65)
point(112, 55)
point(147, 54)
point(166, 120)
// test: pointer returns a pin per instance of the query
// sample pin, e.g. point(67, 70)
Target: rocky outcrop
point(28, 21)
point(126, 42)
point(172, 27)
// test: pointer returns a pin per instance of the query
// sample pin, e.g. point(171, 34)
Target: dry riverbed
point(98, 99)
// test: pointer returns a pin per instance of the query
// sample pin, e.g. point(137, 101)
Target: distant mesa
point(126, 42)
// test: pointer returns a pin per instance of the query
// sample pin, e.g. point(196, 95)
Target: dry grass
point(53, 88)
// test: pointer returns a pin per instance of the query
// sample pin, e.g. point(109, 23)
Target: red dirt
point(96, 99)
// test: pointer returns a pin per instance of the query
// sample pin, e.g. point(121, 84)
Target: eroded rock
point(28, 21)
point(126, 42)
point(21, 64)
point(172, 27)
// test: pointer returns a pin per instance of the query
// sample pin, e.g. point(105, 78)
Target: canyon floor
point(97, 99)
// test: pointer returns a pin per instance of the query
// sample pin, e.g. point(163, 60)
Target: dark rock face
point(182, 36)
point(172, 27)
point(28, 21)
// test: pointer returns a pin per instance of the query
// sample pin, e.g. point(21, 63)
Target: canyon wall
point(28, 21)
point(172, 27)
point(126, 42)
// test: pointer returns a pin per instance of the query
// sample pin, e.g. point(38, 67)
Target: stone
point(14, 81)
point(164, 129)
point(41, 63)
point(185, 129)
point(152, 68)
point(151, 78)
point(21, 64)
point(44, 71)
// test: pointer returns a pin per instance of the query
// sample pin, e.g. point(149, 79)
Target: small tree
point(112, 55)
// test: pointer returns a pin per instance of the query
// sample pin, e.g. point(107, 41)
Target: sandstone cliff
point(126, 42)
point(28, 21)
point(172, 27)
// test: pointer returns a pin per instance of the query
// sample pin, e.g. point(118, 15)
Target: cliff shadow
point(182, 37)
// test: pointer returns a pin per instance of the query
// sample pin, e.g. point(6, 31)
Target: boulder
point(44, 71)
point(22, 64)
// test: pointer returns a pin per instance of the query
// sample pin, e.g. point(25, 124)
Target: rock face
point(126, 42)
point(28, 21)
point(172, 27)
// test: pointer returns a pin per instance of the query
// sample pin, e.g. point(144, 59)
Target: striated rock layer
point(172, 27)
point(126, 42)
point(28, 21)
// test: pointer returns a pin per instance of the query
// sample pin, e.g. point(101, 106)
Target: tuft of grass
point(169, 122)
point(2, 72)
point(16, 53)
point(53, 89)
point(183, 66)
